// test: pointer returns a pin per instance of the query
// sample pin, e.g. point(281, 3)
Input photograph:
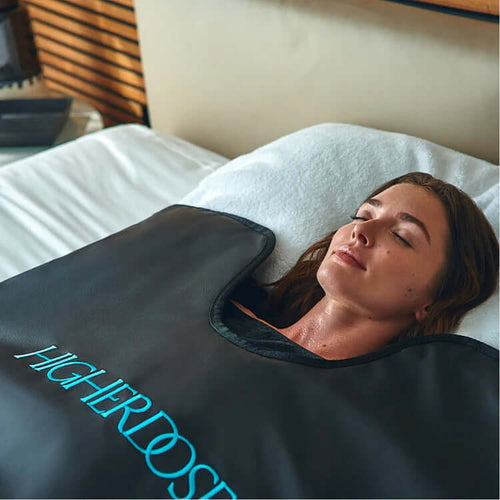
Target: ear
point(421, 313)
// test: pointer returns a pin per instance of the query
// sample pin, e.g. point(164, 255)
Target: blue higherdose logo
point(152, 433)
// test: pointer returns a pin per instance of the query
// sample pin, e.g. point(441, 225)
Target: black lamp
point(28, 121)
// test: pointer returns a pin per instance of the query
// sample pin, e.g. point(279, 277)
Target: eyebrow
point(404, 216)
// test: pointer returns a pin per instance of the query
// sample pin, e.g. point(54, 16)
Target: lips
point(347, 255)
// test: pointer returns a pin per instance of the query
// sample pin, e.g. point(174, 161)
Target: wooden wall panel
point(90, 49)
point(482, 6)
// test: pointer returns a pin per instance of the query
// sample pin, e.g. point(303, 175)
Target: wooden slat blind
point(89, 49)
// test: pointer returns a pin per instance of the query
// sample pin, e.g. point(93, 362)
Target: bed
point(116, 262)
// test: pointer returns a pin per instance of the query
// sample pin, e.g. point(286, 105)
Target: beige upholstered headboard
point(231, 75)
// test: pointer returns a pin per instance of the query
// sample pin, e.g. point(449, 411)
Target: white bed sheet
point(74, 194)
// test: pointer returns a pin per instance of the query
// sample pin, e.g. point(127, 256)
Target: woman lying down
point(416, 257)
point(118, 380)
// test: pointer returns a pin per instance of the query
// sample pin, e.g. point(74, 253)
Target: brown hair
point(469, 278)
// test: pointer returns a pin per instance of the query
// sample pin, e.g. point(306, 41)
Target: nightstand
point(83, 119)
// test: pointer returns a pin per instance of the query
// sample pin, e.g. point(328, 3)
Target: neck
point(333, 331)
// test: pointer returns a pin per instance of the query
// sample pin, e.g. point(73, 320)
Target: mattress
point(51, 203)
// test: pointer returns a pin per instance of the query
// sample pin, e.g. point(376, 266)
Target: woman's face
point(398, 239)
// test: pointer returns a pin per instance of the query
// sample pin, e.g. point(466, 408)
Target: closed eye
point(402, 239)
point(356, 217)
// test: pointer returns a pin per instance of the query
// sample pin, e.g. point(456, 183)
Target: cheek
point(401, 273)
point(341, 237)
point(410, 291)
point(416, 287)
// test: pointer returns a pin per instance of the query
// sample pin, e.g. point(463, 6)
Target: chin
point(335, 285)
point(333, 276)
point(325, 278)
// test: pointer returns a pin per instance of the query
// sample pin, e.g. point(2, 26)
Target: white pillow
point(308, 183)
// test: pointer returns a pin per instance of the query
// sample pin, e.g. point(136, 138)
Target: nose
point(361, 232)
